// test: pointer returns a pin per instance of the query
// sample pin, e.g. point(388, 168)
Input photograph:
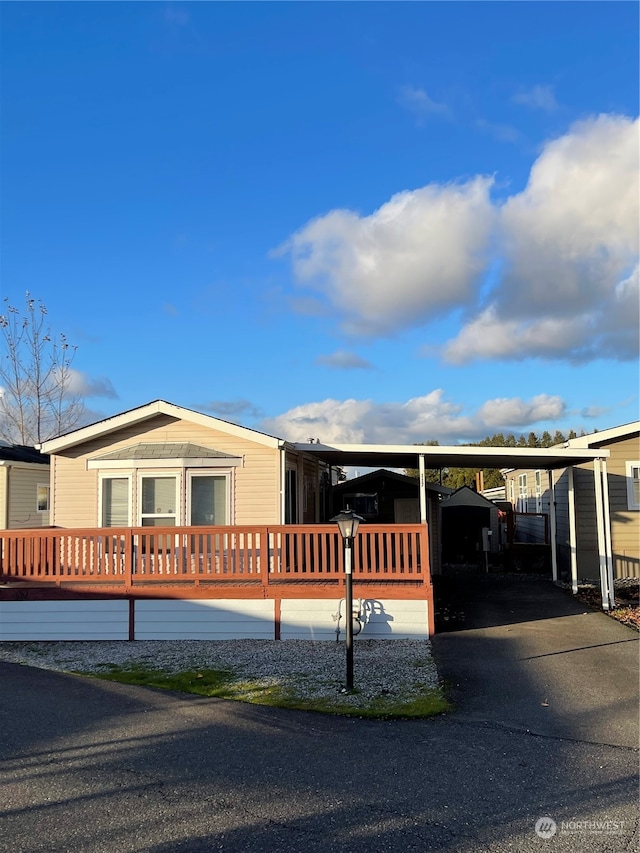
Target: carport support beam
point(573, 542)
point(607, 534)
point(423, 490)
point(600, 524)
point(552, 519)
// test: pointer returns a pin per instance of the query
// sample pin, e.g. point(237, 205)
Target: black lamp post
point(348, 523)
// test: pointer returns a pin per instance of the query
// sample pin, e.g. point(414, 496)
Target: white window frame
point(512, 491)
point(120, 475)
point(633, 474)
point(210, 472)
point(165, 473)
point(47, 490)
point(523, 493)
point(538, 491)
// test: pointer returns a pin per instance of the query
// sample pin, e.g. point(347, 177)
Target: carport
point(423, 457)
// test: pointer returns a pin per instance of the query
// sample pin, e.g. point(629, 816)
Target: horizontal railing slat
point(263, 554)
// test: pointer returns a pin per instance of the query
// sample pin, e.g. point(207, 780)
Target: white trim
point(146, 412)
point(179, 501)
point(48, 488)
point(177, 462)
point(605, 435)
point(632, 504)
point(125, 475)
point(538, 488)
point(191, 475)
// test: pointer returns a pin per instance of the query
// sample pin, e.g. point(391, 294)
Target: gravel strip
point(382, 668)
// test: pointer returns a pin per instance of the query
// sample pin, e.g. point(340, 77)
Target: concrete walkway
point(519, 652)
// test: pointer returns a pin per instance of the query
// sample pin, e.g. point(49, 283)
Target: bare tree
point(37, 400)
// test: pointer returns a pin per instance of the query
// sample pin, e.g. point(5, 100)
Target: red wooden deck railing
point(263, 555)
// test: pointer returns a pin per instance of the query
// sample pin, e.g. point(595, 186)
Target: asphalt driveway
point(92, 766)
point(518, 651)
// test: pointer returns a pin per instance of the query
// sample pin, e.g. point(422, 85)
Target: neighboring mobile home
point(582, 544)
point(24, 487)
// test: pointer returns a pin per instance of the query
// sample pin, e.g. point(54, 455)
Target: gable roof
point(464, 496)
point(149, 411)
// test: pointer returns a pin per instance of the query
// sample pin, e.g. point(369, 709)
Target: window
point(361, 504)
point(512, 489)
point(538, 491)
point(208, 499)
point(633, 485)
point(522, 492)
point(115, 501)
point(158, 501)
point(42, 497)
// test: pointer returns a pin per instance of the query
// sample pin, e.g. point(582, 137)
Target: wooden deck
point(144, 558)
point(281, 563)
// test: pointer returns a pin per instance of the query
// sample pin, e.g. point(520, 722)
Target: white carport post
point(601, 524)
point(423, 490)
point(552, 520)
point(573, 540)
point(607, 534)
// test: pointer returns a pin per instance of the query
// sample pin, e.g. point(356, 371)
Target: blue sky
point(351, 221)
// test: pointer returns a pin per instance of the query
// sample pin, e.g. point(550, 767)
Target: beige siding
point(3, 498)
point(625, 523)
point(255, 485)
point(18, 501)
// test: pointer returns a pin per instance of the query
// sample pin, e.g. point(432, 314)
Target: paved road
point(93, 767)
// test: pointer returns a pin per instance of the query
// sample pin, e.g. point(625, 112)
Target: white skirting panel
point(198, 619)
point(319, 619)
point(64, 620)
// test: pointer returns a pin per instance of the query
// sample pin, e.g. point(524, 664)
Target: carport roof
point(406, 456)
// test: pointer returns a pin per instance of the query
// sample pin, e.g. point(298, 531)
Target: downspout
point(573, 541)
point(552, 519)
point(607, 535)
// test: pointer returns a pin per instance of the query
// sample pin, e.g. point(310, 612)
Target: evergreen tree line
point(454, 478)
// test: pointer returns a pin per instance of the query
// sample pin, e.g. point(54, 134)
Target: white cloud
point(343, 360)
point(570, 244)
point(416, 256)
point(82, 385)
point(507, 412)
point(419, 419)
point(567, 245)
point(538, 97)
point(417, 101)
